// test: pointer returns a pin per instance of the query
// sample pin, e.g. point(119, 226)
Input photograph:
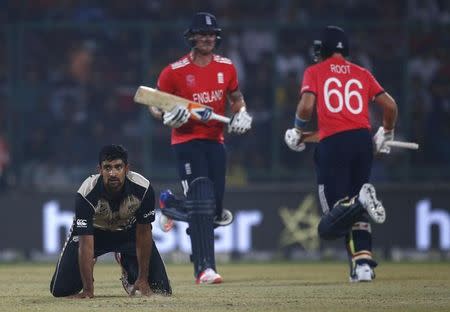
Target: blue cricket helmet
point(333, 39)
point(203, 22)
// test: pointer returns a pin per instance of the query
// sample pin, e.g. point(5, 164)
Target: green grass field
point(247, 287)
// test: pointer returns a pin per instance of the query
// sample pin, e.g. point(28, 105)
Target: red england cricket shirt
point(343, 91)
point(207, 85)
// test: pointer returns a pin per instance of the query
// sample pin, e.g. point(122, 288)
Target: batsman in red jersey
point(209, 79)
point(341, 92)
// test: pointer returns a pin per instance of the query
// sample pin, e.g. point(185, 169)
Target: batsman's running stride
point(209, 79)
point(342, 92)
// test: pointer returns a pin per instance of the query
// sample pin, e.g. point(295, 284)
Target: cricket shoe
point(363, 273)
point(368, 199)
point(209, 276)
point(165, 223)
point(124, 278)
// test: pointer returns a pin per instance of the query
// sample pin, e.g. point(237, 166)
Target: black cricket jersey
point(95, 211)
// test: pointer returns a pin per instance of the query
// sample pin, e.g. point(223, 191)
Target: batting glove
point(292, 138)
point(380, 138)
point(177, 117)
point(240, 123)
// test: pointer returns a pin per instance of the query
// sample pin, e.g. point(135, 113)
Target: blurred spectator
point(424, 65)
point(73, 83)
point(438, 127)
point(256, 43)
point(4, 161)
point(424, 11)
point(233, 48)
point(288, 60)
point(49, 177)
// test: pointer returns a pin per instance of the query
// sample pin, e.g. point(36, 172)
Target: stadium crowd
point(69, 70)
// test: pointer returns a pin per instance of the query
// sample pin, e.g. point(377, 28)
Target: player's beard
point(205, 48)
point(114, 185)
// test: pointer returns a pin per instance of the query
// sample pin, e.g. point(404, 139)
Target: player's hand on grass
point(380, 138)
point(240, 123)
point(83, 295)
point(142, 286)
point(292, 137)
point(177, 117)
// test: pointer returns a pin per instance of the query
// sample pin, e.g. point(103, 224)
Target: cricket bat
point(166, 101)
point(313, 137)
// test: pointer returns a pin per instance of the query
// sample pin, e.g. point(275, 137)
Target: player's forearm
point(389, 119)
point(143, 248)
point(389, 110)
point(390, 116)
point(86, 262)
point(237, 101)
point(305, 106)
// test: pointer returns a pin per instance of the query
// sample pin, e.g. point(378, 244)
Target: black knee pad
point(172, 207)
point(201, 205)
point(338, 221)
point(200, 197)
point(175, 214)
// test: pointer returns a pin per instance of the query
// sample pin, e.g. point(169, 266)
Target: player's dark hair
point(112, 152)
point(203, 22)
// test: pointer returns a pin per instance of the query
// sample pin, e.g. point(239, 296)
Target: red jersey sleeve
point(309, 83)
point(165, 81)
point(234, 84)
point(374, 86)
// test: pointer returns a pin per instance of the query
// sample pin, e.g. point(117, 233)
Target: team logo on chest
point(190, 80)
point(220, 77)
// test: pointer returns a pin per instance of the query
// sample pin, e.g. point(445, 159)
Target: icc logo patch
point(190, 80)
point(219, 77)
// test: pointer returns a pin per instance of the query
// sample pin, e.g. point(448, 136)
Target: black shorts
point(202, 158)
point(343, 163)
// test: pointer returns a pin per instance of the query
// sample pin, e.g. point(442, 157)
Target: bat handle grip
point(220, 118)
point(408, 145)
